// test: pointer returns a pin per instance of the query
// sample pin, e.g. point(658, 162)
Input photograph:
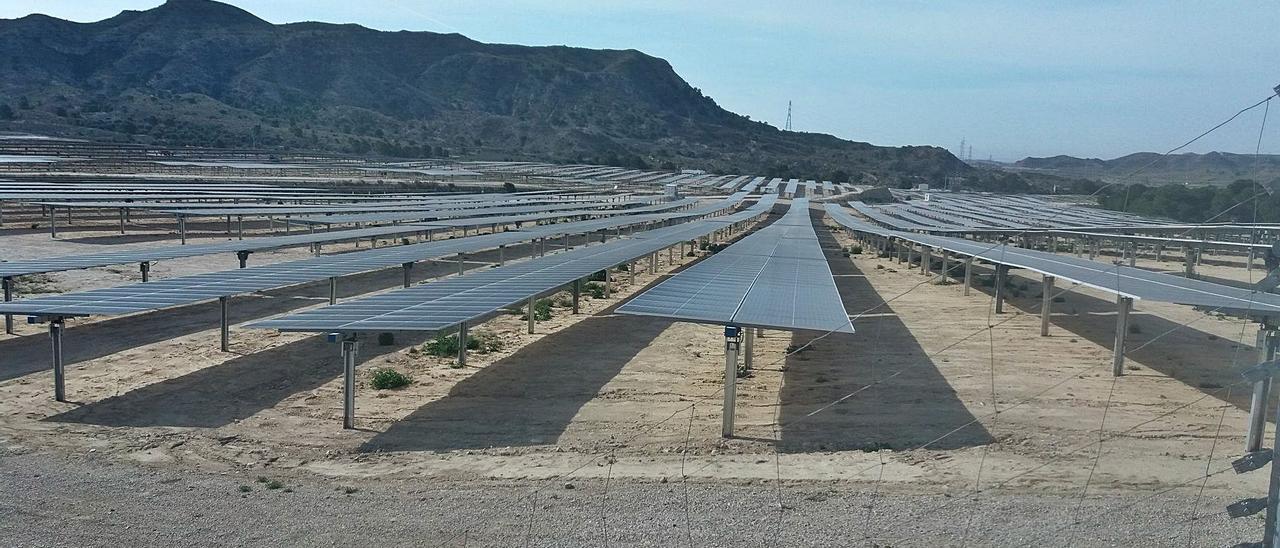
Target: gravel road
point(88, 500)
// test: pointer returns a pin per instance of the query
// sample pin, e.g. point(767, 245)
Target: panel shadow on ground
point(530, 397)
point(908, 410)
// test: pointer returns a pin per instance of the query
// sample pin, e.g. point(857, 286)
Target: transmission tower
point(788, 116)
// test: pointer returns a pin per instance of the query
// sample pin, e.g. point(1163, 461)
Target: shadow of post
point(912, 408)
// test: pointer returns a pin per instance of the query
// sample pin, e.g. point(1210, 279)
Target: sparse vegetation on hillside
point(197, 72)
point(1233, 203)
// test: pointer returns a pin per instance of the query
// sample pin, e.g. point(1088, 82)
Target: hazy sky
point(1014, 78)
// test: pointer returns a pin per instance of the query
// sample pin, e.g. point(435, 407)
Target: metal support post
point(608, 283)
point(1132, 249)
point(225, 330)
point(53, 223)
point(333, 291)
point(1190, 267)
point(461, 263)
point(1268, 340)
point(144, 268)
point(577, 294)
point(239, 227)
point(243, 257)
point(8, 297)
point(1002, 273)
point(926, 260)
point(350, 346)
point(1123, 304)
point(462, 344)
point(731, 336)
point(182, 229)
point(122, 220)
point(1046, 302)
point(968, 275)
point(59, 371)
point(529, 313)
point(748, 340)
point(946, 266)
point(407, 268)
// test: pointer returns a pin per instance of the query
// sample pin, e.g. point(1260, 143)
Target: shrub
point(485, 342)
point(386, 379)
point(386, 339)
point(443, 345)
point(596, 290)
point(855, 250)
point(542, 310)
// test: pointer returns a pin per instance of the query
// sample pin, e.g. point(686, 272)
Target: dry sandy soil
point(925, 428)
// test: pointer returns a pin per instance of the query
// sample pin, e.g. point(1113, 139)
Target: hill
point(198, 72)
point(1214, 168)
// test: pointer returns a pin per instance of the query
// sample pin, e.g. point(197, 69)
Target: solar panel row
point(776, 278)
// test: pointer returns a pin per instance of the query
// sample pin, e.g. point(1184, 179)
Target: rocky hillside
point(197, 72)
point(1214, 168)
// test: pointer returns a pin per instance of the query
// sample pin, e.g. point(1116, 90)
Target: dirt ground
point(925, 400)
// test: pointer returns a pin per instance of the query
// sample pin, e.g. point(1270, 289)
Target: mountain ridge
point(1217, 168)
point(199, 72)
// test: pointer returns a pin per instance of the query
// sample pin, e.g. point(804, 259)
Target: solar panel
point(449, 302)
point(1117, 279)
point(776, 278)
point(191, 289)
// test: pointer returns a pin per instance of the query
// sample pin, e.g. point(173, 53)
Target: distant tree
point(6, 112)
point(24, 103)
point(839, 176)
point(508, 187)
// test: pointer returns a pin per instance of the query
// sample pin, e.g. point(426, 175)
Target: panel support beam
point(225, 326)
point(8, 297)
point(529, 313)
point(1046, 303)
point(968, 275)
point(730, 380)
point(1002, 275)
point(350, 347)
point(577, 294)
point(56, 328)
point(1123, 304)
point(1268, 341)
point(463, 337)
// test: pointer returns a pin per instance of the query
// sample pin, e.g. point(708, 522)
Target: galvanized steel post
point(1123, 304)
point(59, 371)
point(225, 327)
point(350, 346)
